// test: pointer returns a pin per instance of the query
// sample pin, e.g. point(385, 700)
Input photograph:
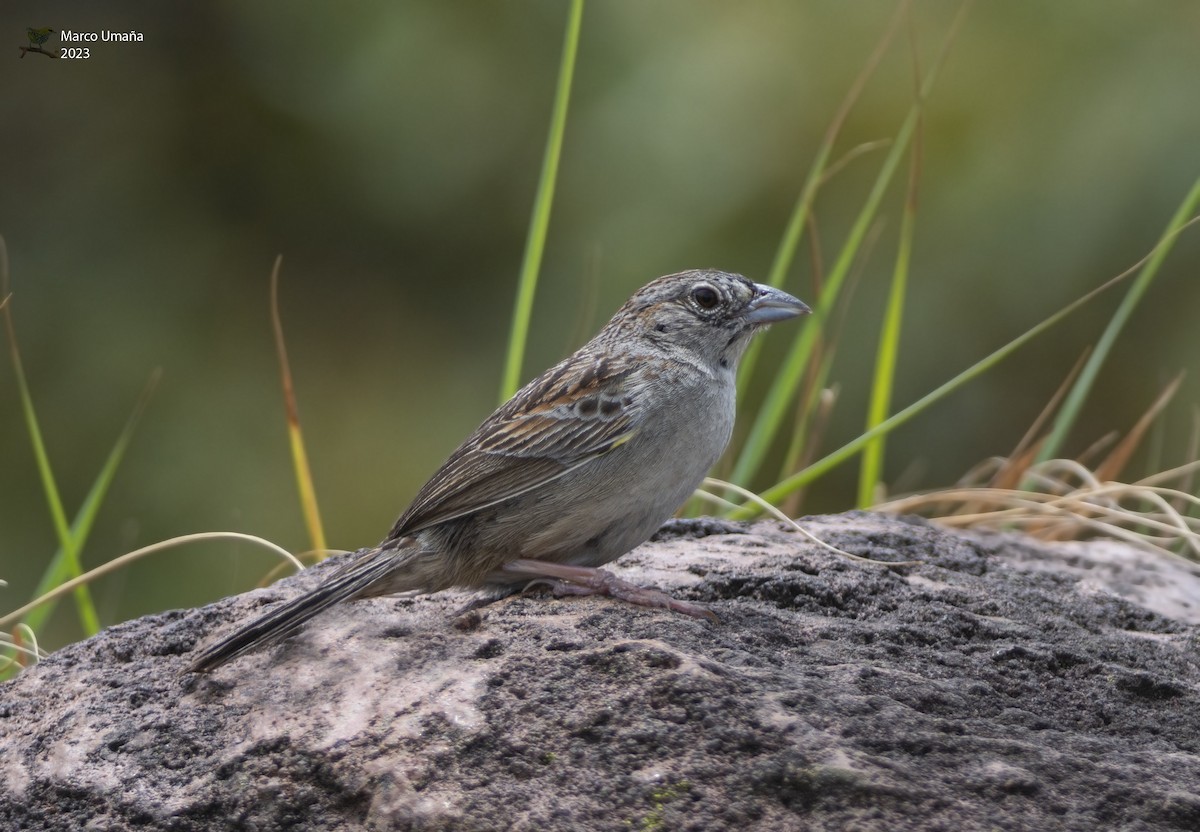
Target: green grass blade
point(832, 460)
point(871, 471)
point(70, 551)
point(775, 407)
point(61, 569)
point(816, 380)
point(1071, 408)
point(804, 416)
point(535, 242)
point(786, 253)
point(57, 514)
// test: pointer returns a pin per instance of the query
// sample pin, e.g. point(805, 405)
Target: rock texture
point(987, 687)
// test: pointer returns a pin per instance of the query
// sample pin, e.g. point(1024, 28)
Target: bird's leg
point(564, 579)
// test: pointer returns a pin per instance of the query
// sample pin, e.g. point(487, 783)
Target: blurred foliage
point(390, 152)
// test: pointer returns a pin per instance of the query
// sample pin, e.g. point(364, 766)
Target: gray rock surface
point(988, 687)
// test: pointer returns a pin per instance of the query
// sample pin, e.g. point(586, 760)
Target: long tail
point(349, 582)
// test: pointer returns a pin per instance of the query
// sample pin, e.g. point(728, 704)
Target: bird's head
point(710, 313)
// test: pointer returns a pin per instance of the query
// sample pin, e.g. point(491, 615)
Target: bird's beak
point(770, 305)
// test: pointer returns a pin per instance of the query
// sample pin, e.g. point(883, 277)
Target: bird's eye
point(706, 297)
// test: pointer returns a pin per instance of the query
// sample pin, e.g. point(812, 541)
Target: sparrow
point(584, 463)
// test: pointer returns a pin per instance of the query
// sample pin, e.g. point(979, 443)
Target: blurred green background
point(390, 151)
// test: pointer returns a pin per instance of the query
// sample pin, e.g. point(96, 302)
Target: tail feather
point(284, 620)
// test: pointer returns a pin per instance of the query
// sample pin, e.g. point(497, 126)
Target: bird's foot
point(563, 579)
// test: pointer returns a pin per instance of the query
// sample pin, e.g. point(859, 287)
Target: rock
point(969, 691)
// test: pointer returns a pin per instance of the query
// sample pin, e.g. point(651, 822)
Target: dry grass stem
point(746, 494)
point(1071, 502)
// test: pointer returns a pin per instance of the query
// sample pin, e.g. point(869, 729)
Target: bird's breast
point(602, 510)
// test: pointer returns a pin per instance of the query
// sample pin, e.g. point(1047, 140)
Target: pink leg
point(586, 580)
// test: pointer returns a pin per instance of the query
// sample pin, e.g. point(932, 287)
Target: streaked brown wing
point(574, 413)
